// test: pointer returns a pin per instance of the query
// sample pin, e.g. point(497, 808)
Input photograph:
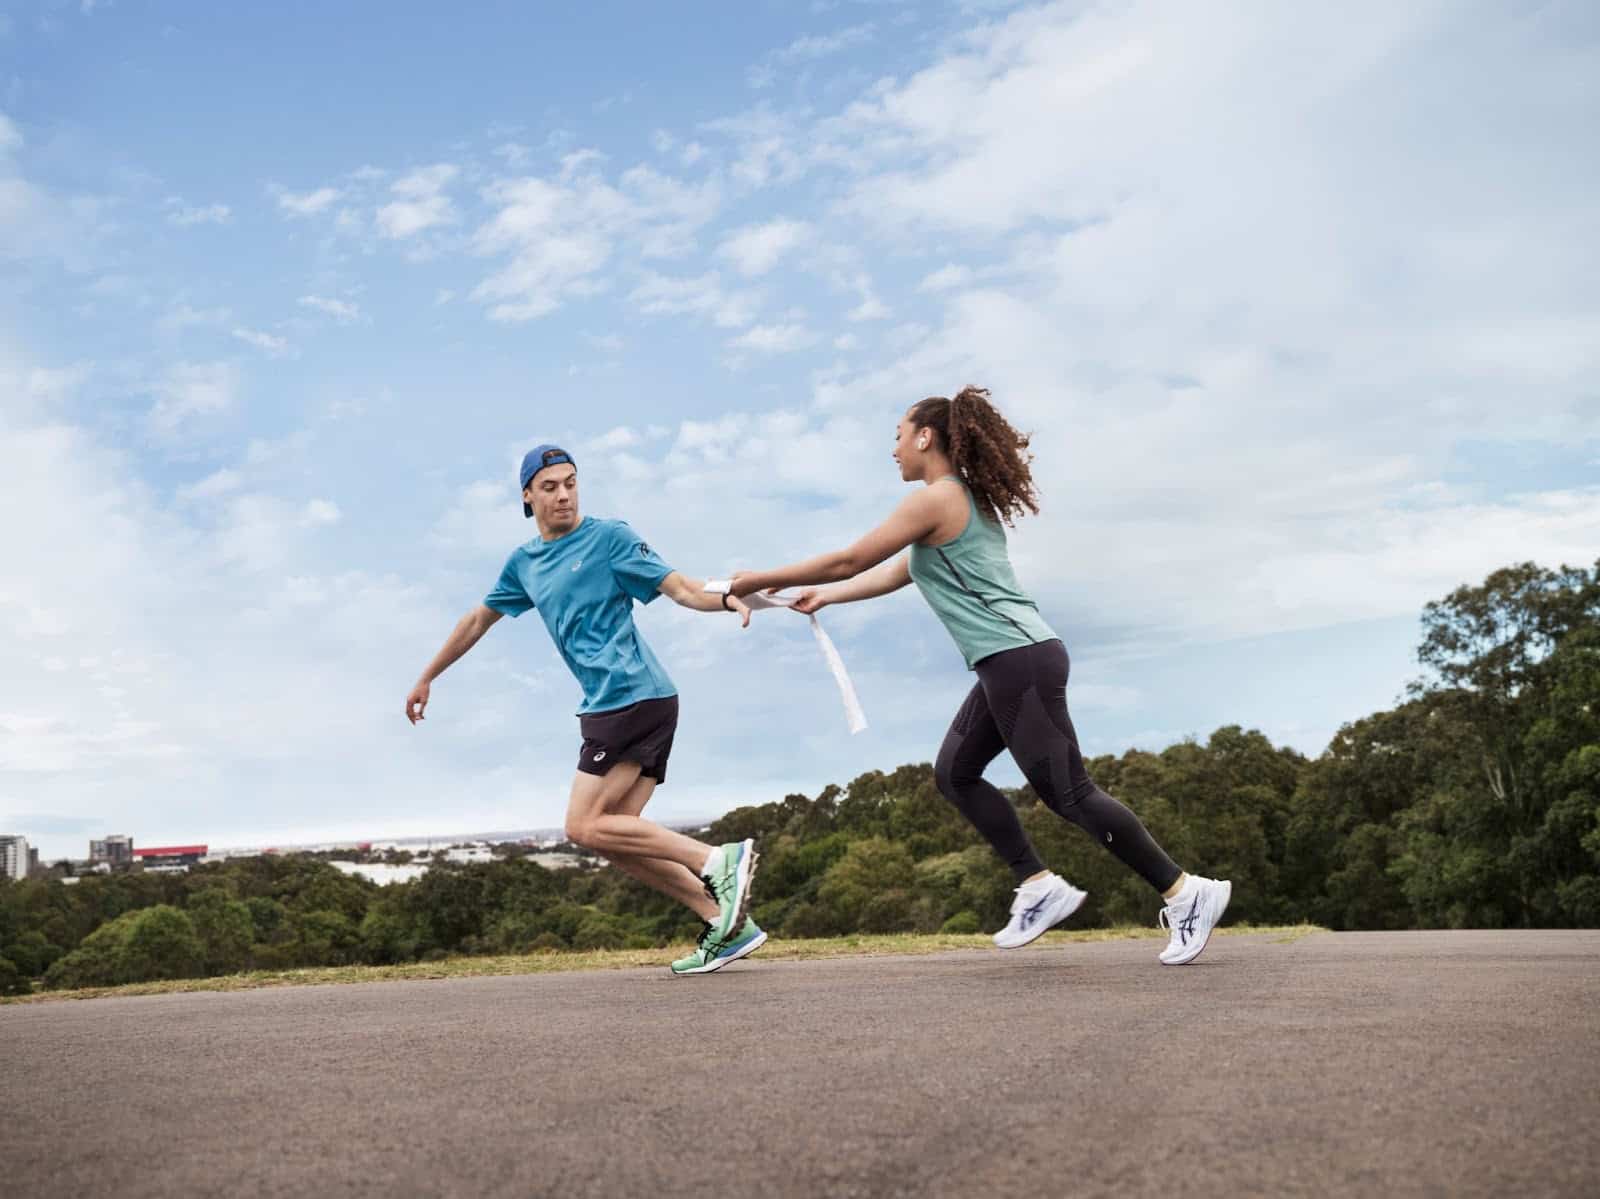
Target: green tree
point(12, 980)
point(225, 928)
point(869, 888)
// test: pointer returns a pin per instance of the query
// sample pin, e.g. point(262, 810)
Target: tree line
point(1474, 802)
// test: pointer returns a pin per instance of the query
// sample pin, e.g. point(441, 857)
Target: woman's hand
point(744, 583)
point(810, 601)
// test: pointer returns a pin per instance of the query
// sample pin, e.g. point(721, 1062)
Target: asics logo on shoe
point(1186, 925)
point(1030, 914)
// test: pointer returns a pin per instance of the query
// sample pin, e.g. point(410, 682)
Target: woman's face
point(908, 453)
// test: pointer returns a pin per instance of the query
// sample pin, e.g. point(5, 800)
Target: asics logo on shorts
point(601, 756)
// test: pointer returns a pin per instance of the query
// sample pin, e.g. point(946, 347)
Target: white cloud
point(513, 155)
point(552, 251)
point(340, 310)
point(756, 249)
point(808, 48)
point(217, 483)
point(556, 235)
point(946, 278)
point(701, 295)
point(775, 339)
point(870, 309)
point(268, 343)
point(319, 512)
point(54, 385)
point(420, 204)
point(179, 213)
point(824, 45)
point(309, 203)
point(184, 316)
point(193, 389)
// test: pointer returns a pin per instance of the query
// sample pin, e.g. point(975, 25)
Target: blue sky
point(1301, 307)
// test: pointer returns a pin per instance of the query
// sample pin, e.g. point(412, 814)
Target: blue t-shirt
point(584, 585)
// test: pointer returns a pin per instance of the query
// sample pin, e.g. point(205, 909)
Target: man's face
point(553, 496)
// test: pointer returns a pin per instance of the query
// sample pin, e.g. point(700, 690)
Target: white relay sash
point(847, 692)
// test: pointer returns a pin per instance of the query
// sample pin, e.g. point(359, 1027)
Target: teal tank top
point(971, 587)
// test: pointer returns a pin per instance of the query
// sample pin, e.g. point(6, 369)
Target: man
point(583, 575)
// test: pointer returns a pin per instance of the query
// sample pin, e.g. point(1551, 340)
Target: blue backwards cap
point(536, 459)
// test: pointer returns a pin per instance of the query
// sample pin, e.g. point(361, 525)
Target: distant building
point(175, 858)
point(115, 851)
point(14, 856)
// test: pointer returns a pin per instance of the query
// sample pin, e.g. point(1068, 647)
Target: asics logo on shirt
point(577, 564)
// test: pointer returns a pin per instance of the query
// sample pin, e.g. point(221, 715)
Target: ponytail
point(990, 456)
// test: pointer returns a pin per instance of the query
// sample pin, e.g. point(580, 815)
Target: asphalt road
point(1350, 1064)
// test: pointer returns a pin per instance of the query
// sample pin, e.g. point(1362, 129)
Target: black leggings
point(1020, 704)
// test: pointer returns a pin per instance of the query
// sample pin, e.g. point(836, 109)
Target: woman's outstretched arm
point(914, 519)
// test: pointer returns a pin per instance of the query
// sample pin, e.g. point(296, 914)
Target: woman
point(976, 470)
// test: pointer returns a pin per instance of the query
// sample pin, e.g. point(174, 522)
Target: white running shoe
point(1191, 915)
point(1038, 907)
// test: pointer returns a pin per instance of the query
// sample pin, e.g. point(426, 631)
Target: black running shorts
point(641, 733)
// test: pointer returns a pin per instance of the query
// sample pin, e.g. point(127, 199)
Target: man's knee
point(580, 832)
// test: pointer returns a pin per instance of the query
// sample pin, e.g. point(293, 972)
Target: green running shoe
point(728, 882)
point(711, 954)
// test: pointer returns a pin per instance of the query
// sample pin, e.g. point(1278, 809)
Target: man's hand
point(810, 601)
point(742, 608)
point(418, 699)
point(744, 582)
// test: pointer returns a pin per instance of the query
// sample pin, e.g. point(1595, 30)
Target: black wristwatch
point(726, 596)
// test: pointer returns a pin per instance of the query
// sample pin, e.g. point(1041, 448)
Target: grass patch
point(550, 962)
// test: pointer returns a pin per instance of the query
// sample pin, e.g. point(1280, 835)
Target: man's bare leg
point(596, 820)
point(669, 878)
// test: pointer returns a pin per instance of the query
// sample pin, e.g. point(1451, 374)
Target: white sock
point(713, 860)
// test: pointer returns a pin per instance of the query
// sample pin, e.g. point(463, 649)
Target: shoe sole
point(1045, 925)
point(743, 876)
point(1227, 895)
point(744, 951)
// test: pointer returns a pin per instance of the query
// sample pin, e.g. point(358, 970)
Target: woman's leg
point(1027, 691)
point(972, 743)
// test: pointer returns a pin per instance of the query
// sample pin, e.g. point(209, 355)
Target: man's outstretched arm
point(462, 638)
point(691, 593)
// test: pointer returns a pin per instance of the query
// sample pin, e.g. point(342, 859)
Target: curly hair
point(990, 456)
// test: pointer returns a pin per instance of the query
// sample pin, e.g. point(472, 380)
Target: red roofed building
point(170, 857)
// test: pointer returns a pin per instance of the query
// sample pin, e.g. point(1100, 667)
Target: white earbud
point(922, 443)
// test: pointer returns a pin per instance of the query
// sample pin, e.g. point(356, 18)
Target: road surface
point(1354, 1064)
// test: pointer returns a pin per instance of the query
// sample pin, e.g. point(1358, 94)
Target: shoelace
point(707, 943)
point(1022, 902)
point(1178, 930)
